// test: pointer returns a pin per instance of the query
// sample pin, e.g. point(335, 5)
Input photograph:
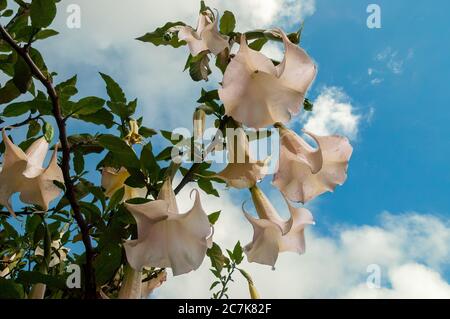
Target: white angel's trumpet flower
point(273, 235)
point(205, 37)
point(23, 172)
point(242, 170)
point(113, 180)
point(257, 93)
point(166, 238)
point(304, 171)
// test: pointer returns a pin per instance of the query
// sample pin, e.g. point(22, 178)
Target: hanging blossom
point(304, 171)
point(257, 93)
point(242, 170)
point(205, 38)
point(114, 179)
point(166, 238)
point(23, 173)
point(273, 235)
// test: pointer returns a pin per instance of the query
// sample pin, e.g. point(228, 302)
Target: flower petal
point(14, 164)
point(113, 180)
point(297, 70)
point(252, 93)
point(167, 194)
point(36, 154)
point(269, 239)
point(177, 241)
point(295, 178)
point(41, 190)
point(211, 36)
point(294, 240)
point(195, 43)
point(242, 171)
point(264, 247)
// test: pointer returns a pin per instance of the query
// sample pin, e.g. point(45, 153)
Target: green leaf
point(17, 109)
point(101, 117)
point(10, 290)
point(149, 163)
point(78, 162)
point(214, 217)
point(34, 277)
point(307, 105)
point(67, 89)
point(162, 36)
point(113, 89)
point(207, 96)
point(7, 13)
point(107, 263)
point(9, 92)
point(121, 151)
point(258, 44)
point(165, 154)
point(227, 22)
point(3, 4)
point(199, 67)
point(206, 185)
point(214, 284)
point(238, 253)
point(147, 132)
point(22, 75)
point(48, 132)
point(116, 199)
point(33, 129)
point(216, 256)
point(88, 105)
point(44, 34)
point(42, 13)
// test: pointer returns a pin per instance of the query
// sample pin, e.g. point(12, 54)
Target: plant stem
point(90, 286)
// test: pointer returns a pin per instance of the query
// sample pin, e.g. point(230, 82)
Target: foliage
point(84, 216)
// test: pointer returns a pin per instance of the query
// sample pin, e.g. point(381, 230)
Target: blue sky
point(400, 162)
point(394, 79)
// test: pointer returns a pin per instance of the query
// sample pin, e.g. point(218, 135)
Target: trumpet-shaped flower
point(242, 170)
point(166, 238)
point(113, 180)
point(304, 171)
point(273, 235)
point(23, 172)
point(257, 93)
point(205, 37)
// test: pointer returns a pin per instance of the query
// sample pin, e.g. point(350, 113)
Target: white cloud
point(391, 61)
point(333, 113)
point(412, 281)
point(409, 248)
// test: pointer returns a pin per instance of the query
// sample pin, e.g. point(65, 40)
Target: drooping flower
point(113, 180)
point(22, 172)
point(273, 235)
point(133, 136)
point(205, 37)
point(257, 93)
point(242, 170)
point(166, 238)
point(304, 171)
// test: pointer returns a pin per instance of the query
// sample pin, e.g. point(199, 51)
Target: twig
point(226, 281)
point(90, 285)
point(193, 169)
point(24, 122)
